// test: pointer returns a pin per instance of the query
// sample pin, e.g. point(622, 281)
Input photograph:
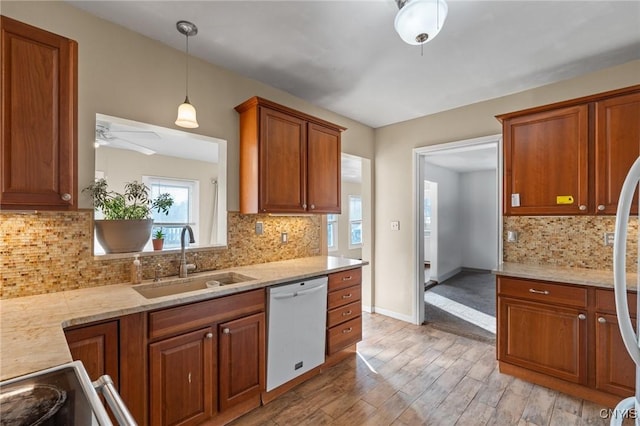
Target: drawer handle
point(533, 290)
point(582, 317)
point(349, 278)
point(347, 330)
point(347, 296)
point(602, 320)
point(347, 313)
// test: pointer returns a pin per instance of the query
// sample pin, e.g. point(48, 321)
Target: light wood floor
point(414, 375)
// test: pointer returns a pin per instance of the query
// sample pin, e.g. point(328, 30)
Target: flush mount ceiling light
point(186, 111)
point(420, 21)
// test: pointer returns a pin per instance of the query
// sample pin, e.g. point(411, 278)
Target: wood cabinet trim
point(569, 103)
point(258, 101)
point(180, 319)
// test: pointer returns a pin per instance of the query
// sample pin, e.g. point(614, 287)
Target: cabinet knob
point(582, 317)
point(226, 331)
point(65, 197)
point(602, 320)
point(209, 335)
point(601, 207)
point(582, 207)
point(313, 206)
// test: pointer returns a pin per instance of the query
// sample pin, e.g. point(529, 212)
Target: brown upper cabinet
point(570, 158)
point(38, 141)
point(289, 161)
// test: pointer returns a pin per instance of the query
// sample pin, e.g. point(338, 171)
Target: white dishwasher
point(296, 319)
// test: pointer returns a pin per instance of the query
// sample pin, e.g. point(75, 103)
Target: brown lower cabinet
point(182, 370)
point(203, 362)
point(564, 337)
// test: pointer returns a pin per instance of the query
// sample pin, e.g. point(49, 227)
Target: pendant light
point(186, 111)
point(420, 21)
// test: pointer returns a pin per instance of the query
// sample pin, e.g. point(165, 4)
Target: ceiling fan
point(105, 136)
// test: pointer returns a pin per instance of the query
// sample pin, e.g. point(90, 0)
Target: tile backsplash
point(46, 252)
point(574, 241)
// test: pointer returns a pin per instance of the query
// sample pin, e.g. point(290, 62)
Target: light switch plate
point(284, 238)
point(259, 228)
point(609, 238)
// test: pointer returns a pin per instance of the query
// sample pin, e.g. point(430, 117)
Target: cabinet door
point(242, 360)
point(546, 157)
point(323, 169)
point(544, 338)
point(97, 347)
point(615, 370)
point(617, 147)
point(282, 164)
point(181, 376)
point(38, 139)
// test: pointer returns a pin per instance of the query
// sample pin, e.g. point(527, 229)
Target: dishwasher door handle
point(296, 293)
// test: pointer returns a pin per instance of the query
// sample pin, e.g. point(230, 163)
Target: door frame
point(418, 207)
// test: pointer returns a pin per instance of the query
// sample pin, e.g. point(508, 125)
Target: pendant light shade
point(187, 115)
point(420, 21)
point(186, 111)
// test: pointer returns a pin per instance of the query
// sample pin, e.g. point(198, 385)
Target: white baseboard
point(367, 309)
point(392, 314)
point(448, 275)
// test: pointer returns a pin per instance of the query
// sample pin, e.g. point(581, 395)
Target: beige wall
point(124, 74)
point(394, 251)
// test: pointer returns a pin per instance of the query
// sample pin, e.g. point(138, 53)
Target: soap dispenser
point(136, 270)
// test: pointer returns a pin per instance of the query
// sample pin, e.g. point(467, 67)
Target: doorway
point(458, 220)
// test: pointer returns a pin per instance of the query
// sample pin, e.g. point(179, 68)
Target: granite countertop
point(31, 328)
point(581, 276)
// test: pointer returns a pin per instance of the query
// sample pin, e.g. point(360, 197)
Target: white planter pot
point(123, 236)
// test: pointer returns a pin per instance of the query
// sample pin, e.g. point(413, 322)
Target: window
point(355, 221)
point(332, 232)
point(184, 210)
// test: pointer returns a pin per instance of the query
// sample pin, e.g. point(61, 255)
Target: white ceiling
point(120, 133)
point(464, 160)
point(345, 56)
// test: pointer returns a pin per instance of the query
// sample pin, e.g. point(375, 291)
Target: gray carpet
point(470, 288)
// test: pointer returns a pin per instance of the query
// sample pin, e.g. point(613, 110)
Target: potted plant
point(158, 239)
point(127, 225)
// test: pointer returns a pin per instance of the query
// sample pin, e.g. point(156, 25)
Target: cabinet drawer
point(344, 279)
point(189, 317)
point(344, 313)
point(344, 335)
point(543, 291)
point(343, 297)
point(605, 302)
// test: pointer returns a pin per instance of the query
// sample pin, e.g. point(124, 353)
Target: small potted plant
point(127, 224)
point(158, 239)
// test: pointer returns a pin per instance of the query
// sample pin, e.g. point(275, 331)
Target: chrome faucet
point(184, 266)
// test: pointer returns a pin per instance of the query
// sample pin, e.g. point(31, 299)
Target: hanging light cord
point(187, 61)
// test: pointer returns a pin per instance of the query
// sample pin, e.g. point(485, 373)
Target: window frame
point(332, 223)
point(353, 222)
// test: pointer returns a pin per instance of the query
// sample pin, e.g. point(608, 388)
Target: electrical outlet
point(609, 238)
point(513, 236)
point(259, 228)
point(284, 238)
point(395, 225)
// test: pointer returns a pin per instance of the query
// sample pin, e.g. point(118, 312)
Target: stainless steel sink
point(187, 285)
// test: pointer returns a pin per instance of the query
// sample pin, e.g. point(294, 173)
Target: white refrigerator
point(629, 407)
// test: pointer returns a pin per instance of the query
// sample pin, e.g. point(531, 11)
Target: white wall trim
point(447, 275)
point(418, 193)
point(367, 308)
point(394, 315)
